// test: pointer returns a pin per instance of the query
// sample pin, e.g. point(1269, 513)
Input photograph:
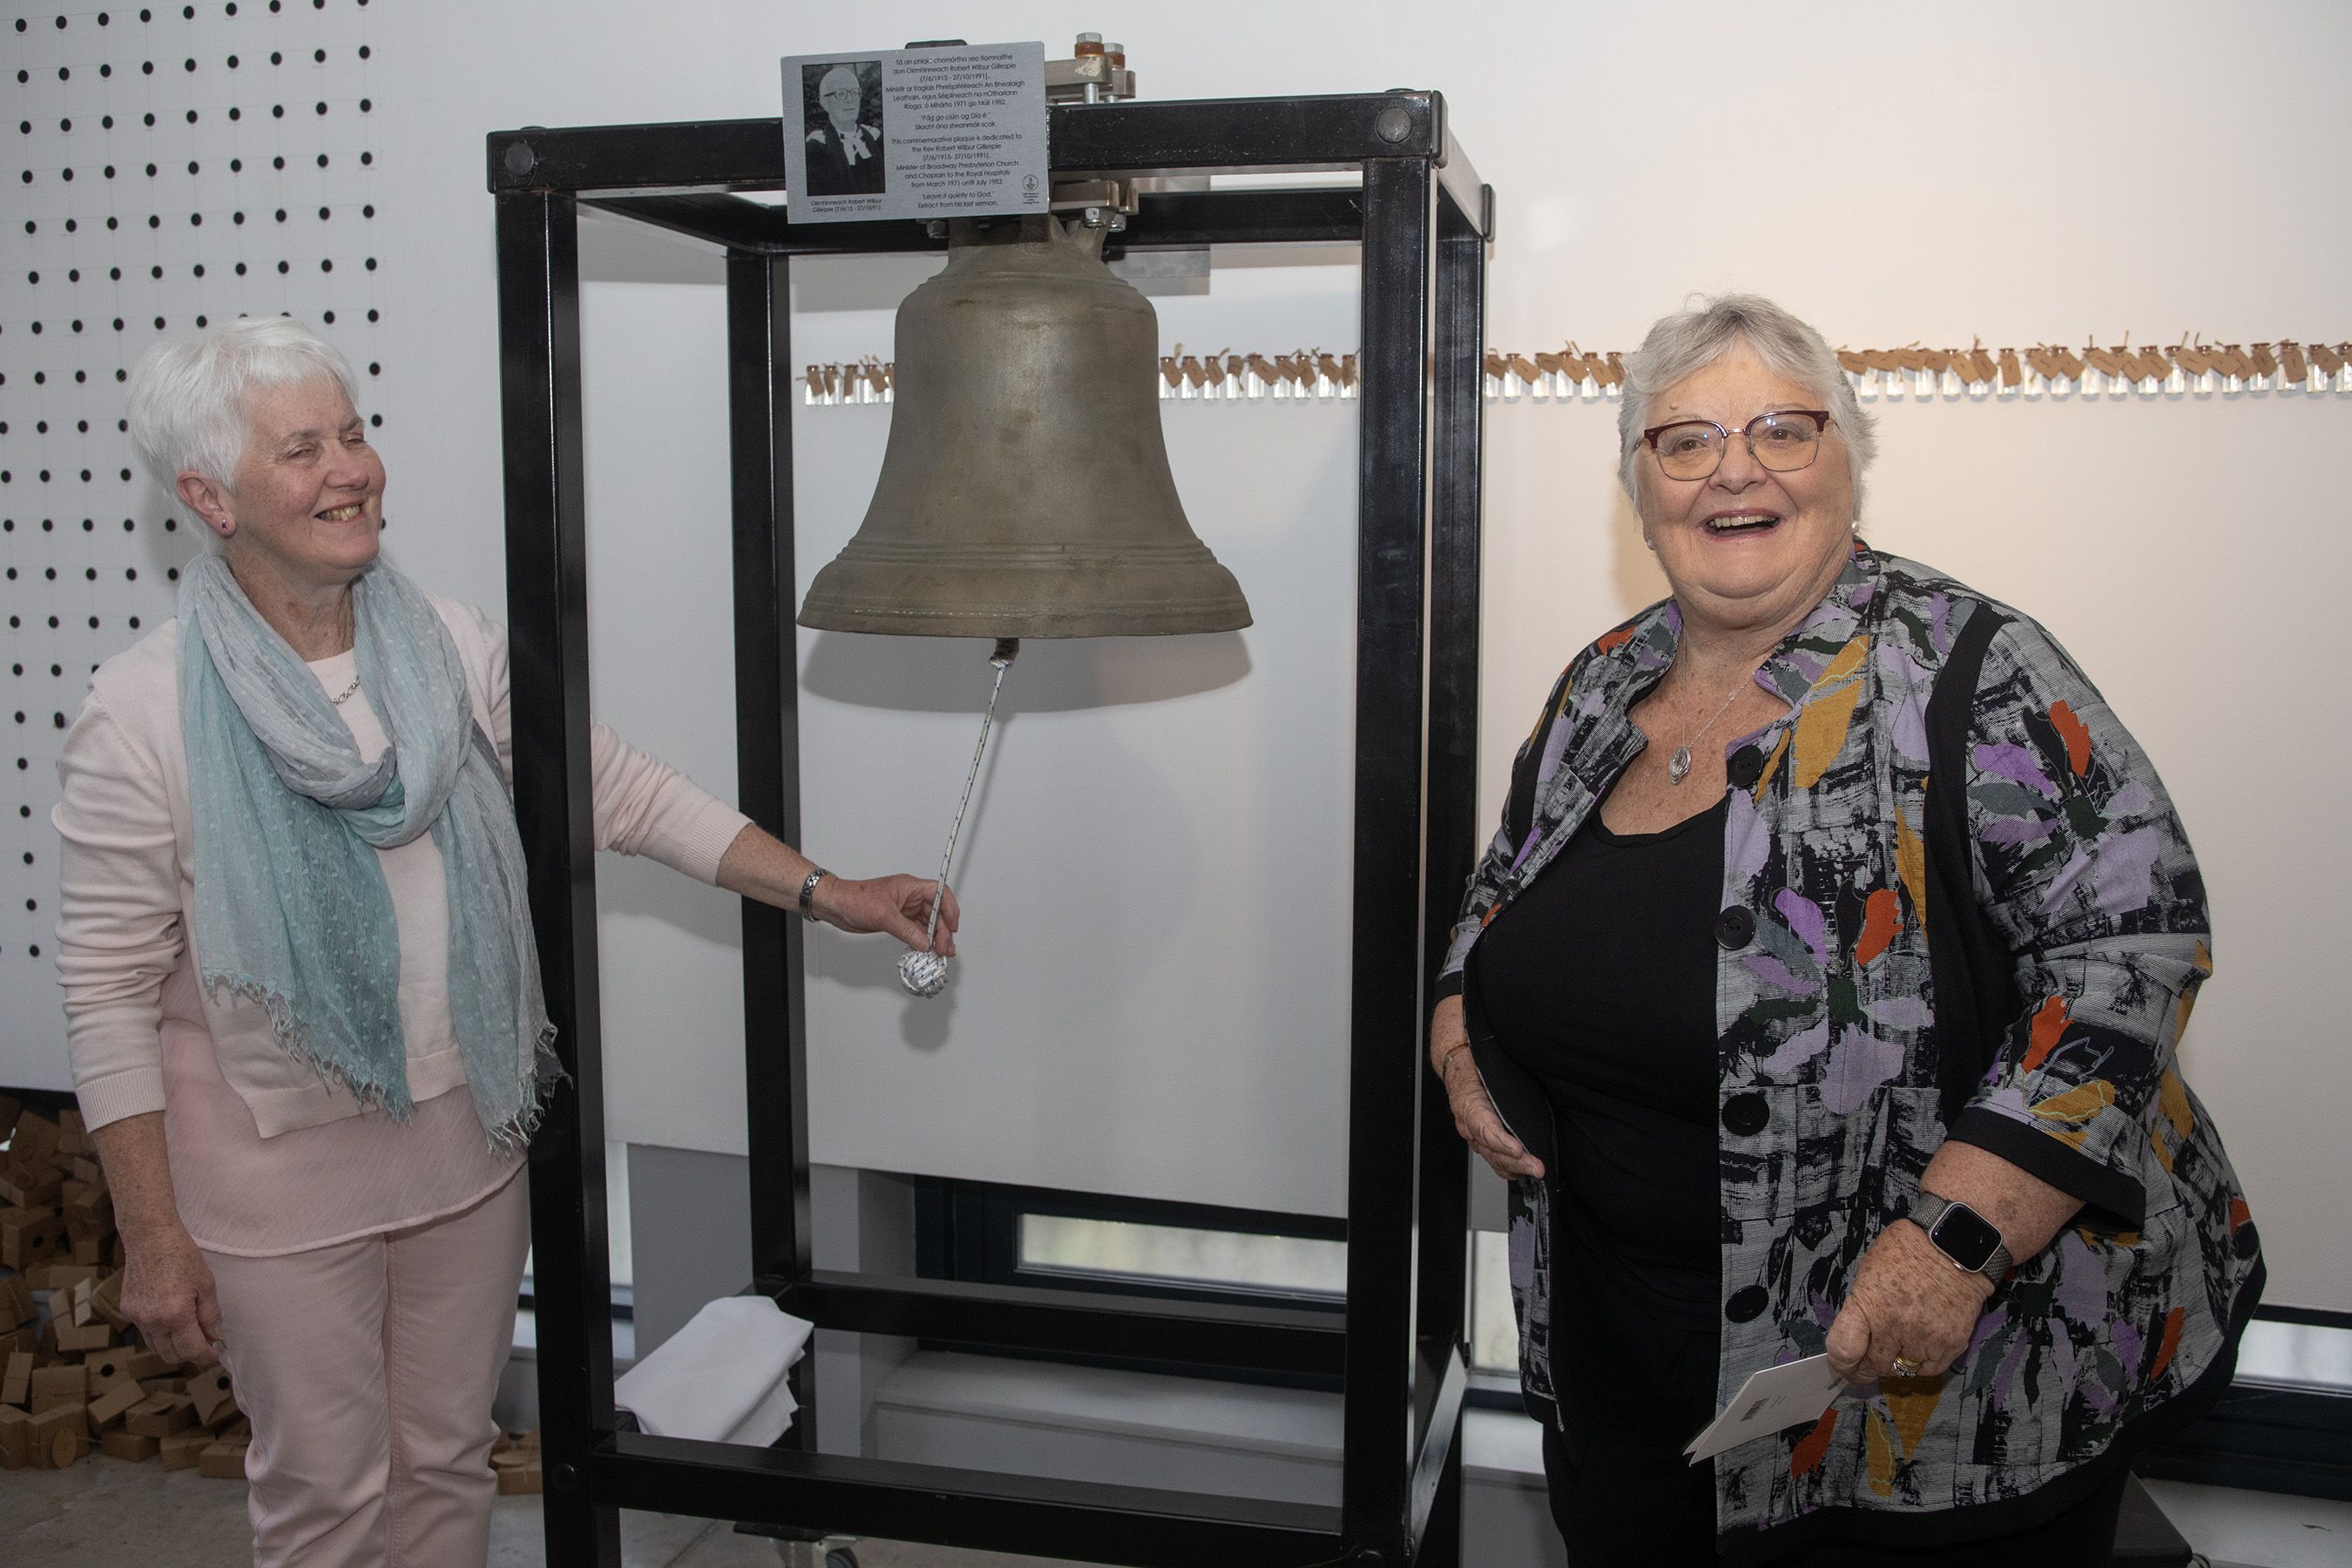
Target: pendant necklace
point(1679, 766)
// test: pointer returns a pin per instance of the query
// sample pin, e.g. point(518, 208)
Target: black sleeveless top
point(1600, 981)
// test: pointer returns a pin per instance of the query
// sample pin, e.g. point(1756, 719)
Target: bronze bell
point(1026, 492)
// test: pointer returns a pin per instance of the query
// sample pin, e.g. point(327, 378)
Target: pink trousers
point(368, 1370)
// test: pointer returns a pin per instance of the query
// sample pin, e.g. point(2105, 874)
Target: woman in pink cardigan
point(303, 1003)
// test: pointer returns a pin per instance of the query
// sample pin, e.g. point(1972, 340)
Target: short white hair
point(191, 403)
point(1690, 340)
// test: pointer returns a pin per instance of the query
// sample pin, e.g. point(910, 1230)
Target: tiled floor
point(103, 1513)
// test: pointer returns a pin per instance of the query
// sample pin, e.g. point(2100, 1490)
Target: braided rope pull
point(925, 973)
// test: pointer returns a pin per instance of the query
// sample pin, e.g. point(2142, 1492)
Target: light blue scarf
point(291, 907)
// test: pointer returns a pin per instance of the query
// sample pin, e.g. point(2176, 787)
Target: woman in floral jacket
point(1849, 1032)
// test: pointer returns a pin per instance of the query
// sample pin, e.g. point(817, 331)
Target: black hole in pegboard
point(371, 315)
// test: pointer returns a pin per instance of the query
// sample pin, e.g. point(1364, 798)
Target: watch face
point(1966, 1237)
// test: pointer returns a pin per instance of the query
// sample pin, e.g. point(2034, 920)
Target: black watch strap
point(1972, 1242)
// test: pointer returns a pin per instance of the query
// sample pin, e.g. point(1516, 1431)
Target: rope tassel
point(925, 973)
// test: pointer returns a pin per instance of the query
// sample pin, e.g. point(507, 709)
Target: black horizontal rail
point(1137, 1527)
point(1176, 137)
point(1168, 220)
point(1087, 1322)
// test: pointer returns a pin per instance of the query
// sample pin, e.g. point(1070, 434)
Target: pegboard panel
point(169, 167)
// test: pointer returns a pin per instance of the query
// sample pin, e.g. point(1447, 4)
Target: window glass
point(1221, 1259)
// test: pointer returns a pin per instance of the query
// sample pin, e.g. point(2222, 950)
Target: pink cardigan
point(267, 1157)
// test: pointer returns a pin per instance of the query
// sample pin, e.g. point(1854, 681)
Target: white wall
point(2020, 170)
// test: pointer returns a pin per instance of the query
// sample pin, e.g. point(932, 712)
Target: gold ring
point(1906, 1367)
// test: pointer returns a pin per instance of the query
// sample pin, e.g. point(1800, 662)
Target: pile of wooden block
point(515, 1459)
point(73, 1370)
point(76, 1374)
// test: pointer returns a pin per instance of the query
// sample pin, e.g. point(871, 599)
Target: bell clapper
point(925, 973)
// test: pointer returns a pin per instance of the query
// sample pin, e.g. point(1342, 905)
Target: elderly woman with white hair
point(303, 1003)
point(1841, 1021)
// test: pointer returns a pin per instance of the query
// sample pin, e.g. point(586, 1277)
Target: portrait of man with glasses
point(843, 121)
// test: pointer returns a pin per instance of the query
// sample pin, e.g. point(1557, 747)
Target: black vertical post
point(1459, 350)
point(547, 611)
point(767, 767)
point(1385, 985)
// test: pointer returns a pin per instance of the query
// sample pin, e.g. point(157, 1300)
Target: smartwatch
point(1971, 1241)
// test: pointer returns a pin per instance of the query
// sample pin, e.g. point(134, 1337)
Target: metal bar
point(1272, 1339)
point(1139, 1526)
point(1185, 220)
point(767, 752)
point(1385, 1022)
point(1452, 782)
point(1435, 1454)
point(1173, 136)
point(547, 610)
point(718, 218)
point(1475, 198)
point(1180, 220)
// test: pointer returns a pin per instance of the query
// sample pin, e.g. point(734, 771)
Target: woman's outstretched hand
point(1475, 1117)
point(899, 905)
point(761, 866)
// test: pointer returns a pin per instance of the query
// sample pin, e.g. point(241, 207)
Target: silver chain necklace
point(1678, 768)
point(346, 694)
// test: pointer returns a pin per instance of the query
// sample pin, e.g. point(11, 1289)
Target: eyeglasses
point(1782, 441)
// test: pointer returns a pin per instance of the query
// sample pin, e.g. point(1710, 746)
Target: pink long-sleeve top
point(267, 1157)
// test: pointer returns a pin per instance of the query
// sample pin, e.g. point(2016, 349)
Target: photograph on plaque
point(843, 130)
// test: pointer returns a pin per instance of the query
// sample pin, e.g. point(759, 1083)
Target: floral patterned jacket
point(1837, 1084)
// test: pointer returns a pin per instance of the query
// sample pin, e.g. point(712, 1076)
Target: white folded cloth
point(722, 1376)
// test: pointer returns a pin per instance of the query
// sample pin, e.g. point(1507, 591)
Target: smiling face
point(1745, 550)
point(306, 502)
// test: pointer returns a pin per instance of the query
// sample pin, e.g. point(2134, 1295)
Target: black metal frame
point(1422, 220)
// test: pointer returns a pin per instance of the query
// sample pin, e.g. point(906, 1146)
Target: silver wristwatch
point(808, 891)
point(1971, 1241)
